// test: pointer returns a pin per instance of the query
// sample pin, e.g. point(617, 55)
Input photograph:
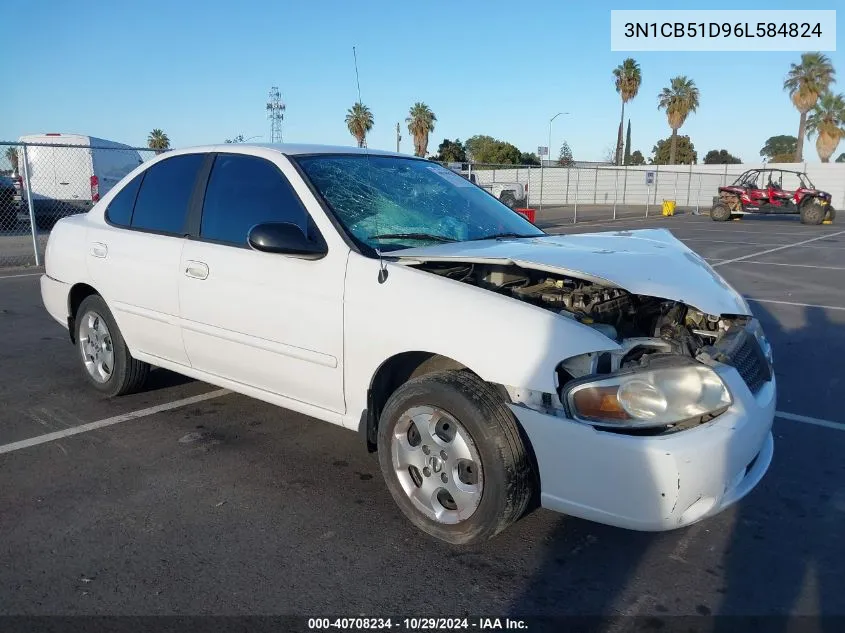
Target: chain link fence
point(41, 183)
point(600, 192)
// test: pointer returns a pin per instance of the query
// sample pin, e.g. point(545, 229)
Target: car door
point(134, 258)
point(269, 321)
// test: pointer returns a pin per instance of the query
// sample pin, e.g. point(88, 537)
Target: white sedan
point(612, 376)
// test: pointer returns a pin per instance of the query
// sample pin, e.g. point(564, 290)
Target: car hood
point(648, 262)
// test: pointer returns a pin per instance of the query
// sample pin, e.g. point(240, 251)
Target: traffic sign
point(542, 151)
point(649, 178)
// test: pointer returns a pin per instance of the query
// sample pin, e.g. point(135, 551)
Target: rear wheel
point(812, 213)
point(452, 457)
point(508, 198)
point(106, 362)
point(720, 212)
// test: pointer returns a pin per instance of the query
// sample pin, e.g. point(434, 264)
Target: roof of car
point(293, 149)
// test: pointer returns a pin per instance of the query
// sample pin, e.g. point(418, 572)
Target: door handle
point(196, 270)
point(98, 249)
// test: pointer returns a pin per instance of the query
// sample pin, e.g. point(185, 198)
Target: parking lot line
point(125, 417)
point(805, 419)
point(722, 231)
point(21, 275)
point(792, 303)
point(794, 265)
point(779, 248)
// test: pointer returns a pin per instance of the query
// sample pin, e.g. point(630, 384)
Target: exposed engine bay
point(644, 326)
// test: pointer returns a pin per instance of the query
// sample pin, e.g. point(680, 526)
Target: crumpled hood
point(648, 262)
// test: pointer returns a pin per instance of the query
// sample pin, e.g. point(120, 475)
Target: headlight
point(649, 397)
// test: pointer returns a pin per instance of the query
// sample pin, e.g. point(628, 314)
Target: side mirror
point(286, 239)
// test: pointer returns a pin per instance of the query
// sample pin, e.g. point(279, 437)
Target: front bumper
point(654, 483)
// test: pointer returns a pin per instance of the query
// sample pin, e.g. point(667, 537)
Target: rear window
point(162, 202)
point(119, 211)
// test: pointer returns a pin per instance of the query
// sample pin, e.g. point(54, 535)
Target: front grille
point(741, 349)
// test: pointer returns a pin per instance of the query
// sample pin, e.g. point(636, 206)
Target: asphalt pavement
point(228, 506)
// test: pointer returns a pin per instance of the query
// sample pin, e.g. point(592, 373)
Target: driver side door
point(269, 321)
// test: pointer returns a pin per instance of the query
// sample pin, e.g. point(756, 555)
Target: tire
point(812, 213)
point(831, 214)
point(493, 493)
point(508, 199)
point(103, 356)
point(720, 212)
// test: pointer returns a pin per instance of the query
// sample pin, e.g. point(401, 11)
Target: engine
point(643, 325)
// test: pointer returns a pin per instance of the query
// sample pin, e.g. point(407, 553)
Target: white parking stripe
point(805, 419)
point(21, 275)
point(794, 265)
point(92, 426)
point(779, 248)
point(792, 303)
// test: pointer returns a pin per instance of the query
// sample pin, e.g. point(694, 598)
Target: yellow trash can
point(668, 207)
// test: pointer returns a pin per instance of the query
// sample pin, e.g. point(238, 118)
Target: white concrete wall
point(627, 185)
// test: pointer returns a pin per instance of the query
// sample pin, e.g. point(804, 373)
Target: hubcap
point(96, 347)
point(437, 464)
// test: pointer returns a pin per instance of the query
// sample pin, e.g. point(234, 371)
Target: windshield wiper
point(413, 236)
point(496, 236)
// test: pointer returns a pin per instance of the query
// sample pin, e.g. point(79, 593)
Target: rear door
point(134, 258)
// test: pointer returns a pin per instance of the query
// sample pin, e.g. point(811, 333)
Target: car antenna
point(382, 272)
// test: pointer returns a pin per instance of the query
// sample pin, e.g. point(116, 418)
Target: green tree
point(238, 139)
point(451, 152)
point(720, 157)
point(158, 141)
point(12, 157)
point(805, 83)
point(627, 77)
point(679, 99)
point(486, 149)
point(684, 151)
point(627, 160)
point(565, 158)
point(827, 123)
point(780, 149)
point(637, 158)
point(420, 124)
point(529, 158)
point(359, 121)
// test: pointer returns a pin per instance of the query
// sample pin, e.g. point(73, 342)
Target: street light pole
point(548, 153)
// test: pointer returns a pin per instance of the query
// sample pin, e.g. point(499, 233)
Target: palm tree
point(12, 156)
point(805, 82)
point(628, 80)
point(158, 141)
point(420, 123)
point(827, 123)
point(359, 120)
point(679, 99)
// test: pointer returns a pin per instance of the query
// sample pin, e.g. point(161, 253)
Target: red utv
point(764, 191)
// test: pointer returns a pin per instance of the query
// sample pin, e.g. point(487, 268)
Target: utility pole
point(398, 138)
point(276, 114)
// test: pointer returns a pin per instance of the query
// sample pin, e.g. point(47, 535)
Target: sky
point(201, 71)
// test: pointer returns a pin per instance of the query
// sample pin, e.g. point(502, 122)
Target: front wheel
point(452, 457)
point(812, 213)
point(720, 212)
point(106, 362)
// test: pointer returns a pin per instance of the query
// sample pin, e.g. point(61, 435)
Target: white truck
point(513, 194)
point(67, 180)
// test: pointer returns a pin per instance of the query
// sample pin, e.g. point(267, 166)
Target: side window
point(119, 211)
point(244, 191)
point(162, 202)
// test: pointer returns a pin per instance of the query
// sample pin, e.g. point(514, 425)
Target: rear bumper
point(655, 483)
point(54, 294)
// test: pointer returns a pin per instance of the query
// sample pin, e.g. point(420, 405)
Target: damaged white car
point(612, 376)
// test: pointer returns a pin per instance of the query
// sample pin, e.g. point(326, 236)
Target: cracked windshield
point(392, 203)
